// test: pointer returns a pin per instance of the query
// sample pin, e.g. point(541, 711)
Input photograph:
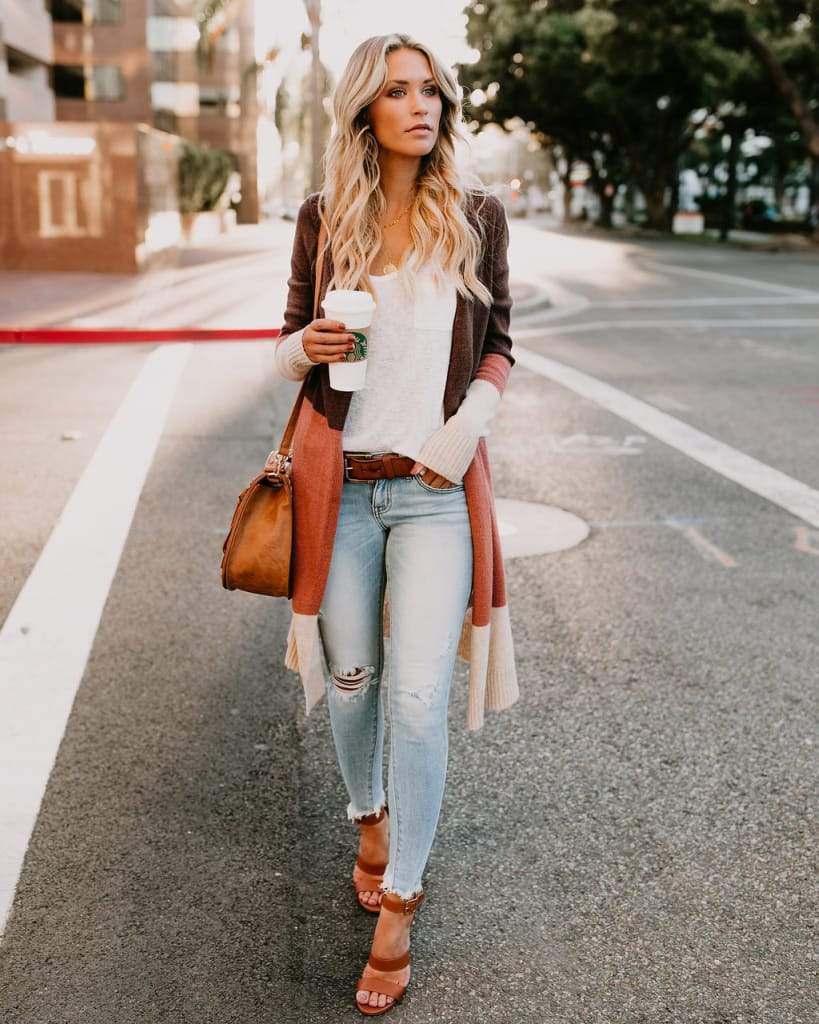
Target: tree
point(615, 82)
point(783, 37)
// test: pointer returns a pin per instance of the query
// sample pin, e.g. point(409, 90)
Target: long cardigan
point(481, 348)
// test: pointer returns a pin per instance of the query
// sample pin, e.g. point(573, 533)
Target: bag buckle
point(277, 464)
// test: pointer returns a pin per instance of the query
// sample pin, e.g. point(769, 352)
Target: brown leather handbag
point(256, 554)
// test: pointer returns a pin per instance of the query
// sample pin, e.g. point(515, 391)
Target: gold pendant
point(389, 268)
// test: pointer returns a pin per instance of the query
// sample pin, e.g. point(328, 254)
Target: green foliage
point(203, 176)
point(625, 85)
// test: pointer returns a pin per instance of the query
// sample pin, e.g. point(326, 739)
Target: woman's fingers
point(326, 341)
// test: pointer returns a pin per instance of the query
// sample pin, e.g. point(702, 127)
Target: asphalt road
point(629, 844)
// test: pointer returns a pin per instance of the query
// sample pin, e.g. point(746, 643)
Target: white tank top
point(408, 349)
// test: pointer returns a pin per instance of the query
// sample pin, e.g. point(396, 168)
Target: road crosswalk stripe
point(48, 634)
point(777, 487)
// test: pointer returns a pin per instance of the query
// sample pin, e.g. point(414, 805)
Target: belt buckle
point(347, 468)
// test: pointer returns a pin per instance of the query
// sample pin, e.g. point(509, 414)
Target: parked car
point(759, 215)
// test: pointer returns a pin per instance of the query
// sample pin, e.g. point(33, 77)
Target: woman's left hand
point(429, 476)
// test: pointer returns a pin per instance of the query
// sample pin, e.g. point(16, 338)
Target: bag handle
point(285, 448)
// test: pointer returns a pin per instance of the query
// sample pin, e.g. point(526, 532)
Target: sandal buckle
point(411, 903)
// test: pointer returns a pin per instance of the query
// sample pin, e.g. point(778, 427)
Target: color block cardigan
point(480, 349)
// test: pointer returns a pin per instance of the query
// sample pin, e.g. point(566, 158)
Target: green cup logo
point(359, 349)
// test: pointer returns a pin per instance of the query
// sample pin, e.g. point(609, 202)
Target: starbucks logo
point(359, 349)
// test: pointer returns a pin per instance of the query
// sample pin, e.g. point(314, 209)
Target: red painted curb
point(116, 335)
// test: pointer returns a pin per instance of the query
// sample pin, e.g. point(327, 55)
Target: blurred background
point(131, 128)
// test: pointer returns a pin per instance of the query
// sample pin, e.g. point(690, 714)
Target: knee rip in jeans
point(353, 682)
point(428, 694)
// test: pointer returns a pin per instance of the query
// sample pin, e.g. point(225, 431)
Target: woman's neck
point(398, 178)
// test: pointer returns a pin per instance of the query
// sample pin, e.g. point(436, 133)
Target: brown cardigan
point(481, 348)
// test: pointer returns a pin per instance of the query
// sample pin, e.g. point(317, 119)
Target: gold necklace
point(390, 267)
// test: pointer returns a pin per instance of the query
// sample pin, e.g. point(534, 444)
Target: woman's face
point(409, 97)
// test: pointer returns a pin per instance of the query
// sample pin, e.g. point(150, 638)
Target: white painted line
point(740, 300)
point(46, 639)
point(790, 494)
point(682, 323)
point(668, 403)
point(744, 282)
point(594, 444)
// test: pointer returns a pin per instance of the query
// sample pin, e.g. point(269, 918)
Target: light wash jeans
point(415, 539)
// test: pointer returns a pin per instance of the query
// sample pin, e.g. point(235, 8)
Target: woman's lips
point(419, 130)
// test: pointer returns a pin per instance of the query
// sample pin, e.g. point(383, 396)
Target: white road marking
point(743, 282)
point(667, 402)
point(595, 444)
point(607, 325)
point(46, 639)
point(784, 491)
point(740, 300)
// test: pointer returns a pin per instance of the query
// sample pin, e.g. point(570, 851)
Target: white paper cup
point(355, 310)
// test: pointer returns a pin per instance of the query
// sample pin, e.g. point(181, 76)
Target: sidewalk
point(239, 281)
point(738, 239)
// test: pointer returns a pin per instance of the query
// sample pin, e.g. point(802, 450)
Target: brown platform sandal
point(398, 905)
point(369, 876)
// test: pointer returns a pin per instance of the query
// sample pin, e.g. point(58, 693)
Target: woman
point(391, 483)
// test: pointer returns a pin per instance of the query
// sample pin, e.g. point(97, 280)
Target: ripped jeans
point(415, 539)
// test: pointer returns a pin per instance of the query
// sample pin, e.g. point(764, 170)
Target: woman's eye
point(430, 88)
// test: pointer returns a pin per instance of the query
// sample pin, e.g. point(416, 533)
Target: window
point(107, 11)
point(164, 66)
point(69, 81)
point(66, 10)
point(102, 12)
point(165, 120)
point(222, 100)
point(108, 83)
point(100, 82)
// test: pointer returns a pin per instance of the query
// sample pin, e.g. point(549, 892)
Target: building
point(143, 61)
point(25, 61)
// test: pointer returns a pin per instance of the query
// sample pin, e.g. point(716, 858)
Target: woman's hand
point(429, 476)
point(325, 341)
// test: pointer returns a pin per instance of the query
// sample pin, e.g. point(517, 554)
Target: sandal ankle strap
point(374, 818)
point(400, 905)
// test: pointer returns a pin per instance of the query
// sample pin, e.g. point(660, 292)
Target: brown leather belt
point(384, 465)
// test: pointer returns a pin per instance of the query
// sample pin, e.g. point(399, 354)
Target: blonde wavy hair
point(352, 204)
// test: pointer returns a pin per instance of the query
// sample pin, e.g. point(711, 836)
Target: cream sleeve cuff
point(292, 362)
point(450, 450)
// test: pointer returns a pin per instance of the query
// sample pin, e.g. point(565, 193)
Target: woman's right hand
point(325, 341)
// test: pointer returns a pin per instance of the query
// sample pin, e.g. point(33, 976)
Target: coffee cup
point(354, 309)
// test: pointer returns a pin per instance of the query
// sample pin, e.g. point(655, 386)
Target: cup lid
point(351, 299)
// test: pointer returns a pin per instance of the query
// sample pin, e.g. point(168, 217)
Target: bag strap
point(285, 447)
